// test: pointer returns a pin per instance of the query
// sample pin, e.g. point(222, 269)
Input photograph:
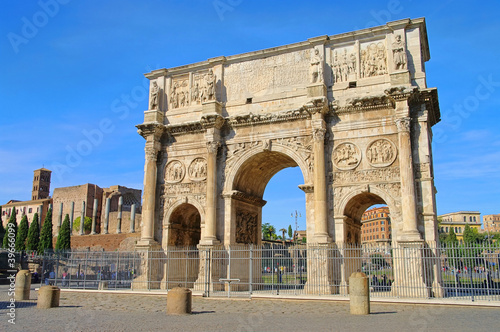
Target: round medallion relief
point(381, 153)
point(197, 170)
point(346, 156)
point(174, 171)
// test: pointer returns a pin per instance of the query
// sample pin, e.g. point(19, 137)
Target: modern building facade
point(376, 225)
point(491, 223)
point(458, 221)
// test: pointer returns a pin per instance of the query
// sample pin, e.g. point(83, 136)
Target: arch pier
point(352, 111)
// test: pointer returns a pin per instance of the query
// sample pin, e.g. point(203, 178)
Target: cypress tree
point(22, 234)
point(46, 234)
point(2, 229)
point(33, 234)
point(12, 220)
point(64, 237)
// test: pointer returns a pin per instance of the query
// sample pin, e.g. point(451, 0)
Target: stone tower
point(41, 184)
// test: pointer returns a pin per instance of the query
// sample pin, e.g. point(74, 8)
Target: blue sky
point(70, 69)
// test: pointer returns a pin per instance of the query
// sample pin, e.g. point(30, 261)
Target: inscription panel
point(261, 76)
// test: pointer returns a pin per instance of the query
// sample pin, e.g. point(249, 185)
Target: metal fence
point(404, 271)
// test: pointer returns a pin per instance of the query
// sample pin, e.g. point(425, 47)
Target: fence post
point(251, 269)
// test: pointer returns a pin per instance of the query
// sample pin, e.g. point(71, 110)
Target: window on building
point(30, 210)
point(382, 222)
point(474, 219)
point(470, 219)
point(465, 219)
point(377, 237)
point(382, 229)
point(383, 236)
point(446, 229)
point(460, 229)
point(456, 230)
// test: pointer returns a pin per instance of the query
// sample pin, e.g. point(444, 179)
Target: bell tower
point(41, 184)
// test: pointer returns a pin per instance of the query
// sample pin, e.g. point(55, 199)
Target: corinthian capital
point(151, 153)
point(403, 124)
point(212, 146)
point(319, 134)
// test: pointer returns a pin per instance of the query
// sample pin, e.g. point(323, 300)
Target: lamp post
point(297, 215)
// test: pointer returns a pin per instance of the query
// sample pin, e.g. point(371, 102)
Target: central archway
point(245, 186)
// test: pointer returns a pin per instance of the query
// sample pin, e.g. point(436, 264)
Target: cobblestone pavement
point(121, 312)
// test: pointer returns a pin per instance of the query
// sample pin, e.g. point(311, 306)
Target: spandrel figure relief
point(381, 153)
point(346, 156)
point(174, 172)
point(198, 169)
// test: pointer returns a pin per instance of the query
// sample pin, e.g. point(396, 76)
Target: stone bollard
point(23, 285)
point(359, 294)
point(103, 285)
point(179, 301)
point(48, 297)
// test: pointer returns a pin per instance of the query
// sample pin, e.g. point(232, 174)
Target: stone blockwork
point(107, 242)
point(352, 111)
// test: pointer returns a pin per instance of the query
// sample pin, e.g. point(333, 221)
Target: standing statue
point(153, 100)
point(316, 69)
point(210, 86)
point(399, 54)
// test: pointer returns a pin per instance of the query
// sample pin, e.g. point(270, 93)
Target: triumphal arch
point(352, 111)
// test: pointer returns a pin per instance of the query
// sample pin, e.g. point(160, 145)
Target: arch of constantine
point(352, 111)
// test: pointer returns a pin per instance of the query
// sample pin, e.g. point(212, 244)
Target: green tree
point(64, 237)
point(46, 234)
point(87, 225)
point(33, 234)
point(2, 229)
point(442, 238)
point(283, 232)
point(290, 231)
point(22, 234)
point(13, 222)
point(452, 237)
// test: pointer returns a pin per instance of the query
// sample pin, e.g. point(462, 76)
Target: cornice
point(252, 119)
point(244, 197)
point(151, 128)
point(367, 103)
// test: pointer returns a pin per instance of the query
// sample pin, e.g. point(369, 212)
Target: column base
point(147, 244)
point(410, 236)
point(211, 241)
point(322, 238)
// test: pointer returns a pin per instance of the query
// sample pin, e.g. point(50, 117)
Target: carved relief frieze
point(346, 156)
point(344, 65)
point(186, 188)
point(371, 175)
point(393, 189)
point(381, 153)
point(174, 171)
point(197, 170)
point(373, 60)
point(246, 227)
point(179, 92)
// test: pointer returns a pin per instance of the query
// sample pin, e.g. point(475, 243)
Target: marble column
point(119, 218)
point(94, 217)
point(106, 216)
point(408, 200)
point(132, 219)
point(320, 197)
point(59, 218)
point(148, 209)
point(210, 237)
point(71, 217)
point(82, 218)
